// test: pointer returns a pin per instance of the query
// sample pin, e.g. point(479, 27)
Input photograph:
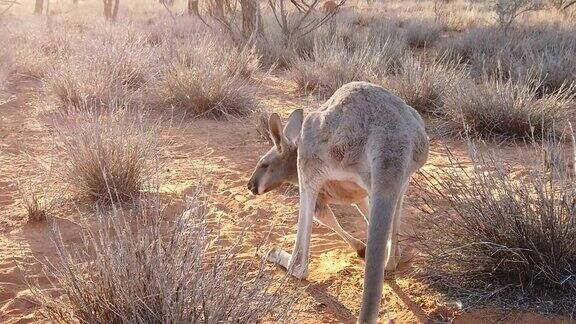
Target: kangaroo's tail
point(385, 192)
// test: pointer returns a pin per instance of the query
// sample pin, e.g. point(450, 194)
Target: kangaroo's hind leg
point(325, 216)
point(363, 207)
point(393, 248)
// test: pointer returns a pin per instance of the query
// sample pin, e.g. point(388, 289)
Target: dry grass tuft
point(109, 153)
point(36, 208)
point(337, 60)
point(120, 65)
point(39, 196)
point(138, 268)
point(505, 240)
point(209, 79)
point(421, 34)
point(542, 51)
point(424, 86)
point(508, 109)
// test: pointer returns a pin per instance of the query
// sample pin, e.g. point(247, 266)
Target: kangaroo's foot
point(285, 260)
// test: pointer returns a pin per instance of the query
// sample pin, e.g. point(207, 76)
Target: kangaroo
point(360, 147)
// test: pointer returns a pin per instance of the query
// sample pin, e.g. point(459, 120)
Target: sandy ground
point(222, 154)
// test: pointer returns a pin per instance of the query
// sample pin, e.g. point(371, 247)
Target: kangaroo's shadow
point(329, 302)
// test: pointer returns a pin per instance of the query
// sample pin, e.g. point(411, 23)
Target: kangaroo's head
point(278, 165)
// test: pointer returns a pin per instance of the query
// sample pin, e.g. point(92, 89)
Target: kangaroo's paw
point(285, 260)
point(279, 257)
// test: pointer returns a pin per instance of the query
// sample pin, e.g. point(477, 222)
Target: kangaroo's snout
point(253, 186)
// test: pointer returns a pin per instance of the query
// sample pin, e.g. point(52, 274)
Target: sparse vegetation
point(504, 240)
point(521, 53)
point(138, 268)
point(425, 87)
point(422, 33)
point(98, 89)
point(513, 110)
point(109, 154)
point(5, 66)
point(208, 79)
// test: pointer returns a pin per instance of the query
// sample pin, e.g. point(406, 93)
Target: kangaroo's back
point(361, 115)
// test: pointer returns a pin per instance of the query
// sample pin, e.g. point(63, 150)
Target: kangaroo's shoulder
point(365, 106)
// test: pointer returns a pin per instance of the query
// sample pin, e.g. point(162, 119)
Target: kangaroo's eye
point(264, 165)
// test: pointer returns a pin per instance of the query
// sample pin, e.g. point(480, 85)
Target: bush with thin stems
point(209, 79)
point(422, 33)
point(147, 266)
point(507, 11)
point(490, 238)
point(543, 51)
point(36, 208)
point(337, 60)
point(118, 69)
point(507, 109)
point(424, 86)
point(112, 152)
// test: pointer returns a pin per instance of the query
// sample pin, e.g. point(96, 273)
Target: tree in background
point(111, 9)
point(39, 7)
point(296, 18)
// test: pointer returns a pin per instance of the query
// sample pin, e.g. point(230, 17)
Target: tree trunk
point(106, 9)
point(39, 7)
point(111, 9)
point(217, 9)
point(251, 19)
point(115, 11)
point(193, 7)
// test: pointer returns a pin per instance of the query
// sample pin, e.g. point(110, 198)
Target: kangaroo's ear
point(275, 127)
point(294, 126)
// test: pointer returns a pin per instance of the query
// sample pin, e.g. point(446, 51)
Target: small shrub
point(424, 87)
point(36, 210)
point(422, 34)
point(508, 10)
point(504, 241)
point(117, 69)
point(205, 79)
point(279, 51)
point(336, 61)
point(109, 154)
point(262, 127)
point(543, 52)
point(507, 109)
point(139, 268)
point(39, 196)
